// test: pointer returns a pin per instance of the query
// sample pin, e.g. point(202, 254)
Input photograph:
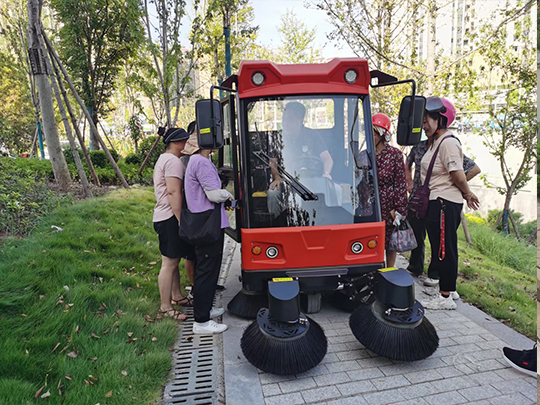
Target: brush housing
point(284, 300)
point(395, 288)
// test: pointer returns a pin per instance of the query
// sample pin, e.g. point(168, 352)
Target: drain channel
point(197, 372)
point(195, 368)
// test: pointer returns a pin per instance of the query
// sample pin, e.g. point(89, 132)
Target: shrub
point(24, 195)
point(69, 156)
point(40, 170)
point(99, 158)
point(134, 159)
point(145, 147)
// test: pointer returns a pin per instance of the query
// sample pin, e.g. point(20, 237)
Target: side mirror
point(410, 123)
point(210, 129)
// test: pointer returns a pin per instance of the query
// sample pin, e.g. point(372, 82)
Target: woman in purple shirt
point(203, 191)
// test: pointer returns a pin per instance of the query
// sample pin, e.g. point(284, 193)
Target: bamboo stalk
point(69, 134)
point(80, 138)
point(81, 103)
point(154, 146)
point(106, 137)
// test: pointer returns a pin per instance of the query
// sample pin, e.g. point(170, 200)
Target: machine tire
point(313, 303)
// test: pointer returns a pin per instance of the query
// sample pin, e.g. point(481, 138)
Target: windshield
point(308, 161)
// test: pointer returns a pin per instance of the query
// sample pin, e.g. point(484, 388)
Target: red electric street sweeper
point(296, 150)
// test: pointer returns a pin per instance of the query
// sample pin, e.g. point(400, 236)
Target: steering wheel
point(309, 166)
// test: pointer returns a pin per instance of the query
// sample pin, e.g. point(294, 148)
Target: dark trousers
point(207, 270)
point(447, 269)
point(416, 262)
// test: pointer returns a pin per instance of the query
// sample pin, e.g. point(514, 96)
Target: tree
point(512, 107)
point(96, 38)
point(17, 81)
point(297, 41)
point(16, 116)
point(40, 72)
point(238, 15)
point(385, 32)
point(135, 131)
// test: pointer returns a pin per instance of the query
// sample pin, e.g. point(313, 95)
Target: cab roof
point(313, 78)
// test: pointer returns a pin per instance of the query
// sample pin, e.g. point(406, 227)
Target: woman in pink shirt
point(168, 175)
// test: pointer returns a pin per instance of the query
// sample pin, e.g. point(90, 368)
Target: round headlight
point(272, 252)
point(357, 248)
point(257, 78)
point(351, 76)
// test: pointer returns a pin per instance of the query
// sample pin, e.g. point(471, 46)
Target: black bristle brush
point(388, 339)
point(246, 305)
point(298, 349)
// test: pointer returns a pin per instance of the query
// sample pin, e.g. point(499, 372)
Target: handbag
point(419, 201)
point(199, 228)
point(402, 238)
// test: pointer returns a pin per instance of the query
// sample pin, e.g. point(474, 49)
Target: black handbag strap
point(185, 161)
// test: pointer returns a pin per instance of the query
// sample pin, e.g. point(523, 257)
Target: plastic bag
point(402, 238)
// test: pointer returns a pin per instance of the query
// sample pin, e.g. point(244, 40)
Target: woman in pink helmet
point(448, 188)
point(391, 179)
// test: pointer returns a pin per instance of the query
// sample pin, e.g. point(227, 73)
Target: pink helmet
point(450, 113)
point(443, 107)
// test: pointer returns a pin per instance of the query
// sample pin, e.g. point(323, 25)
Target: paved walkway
point(467, 367)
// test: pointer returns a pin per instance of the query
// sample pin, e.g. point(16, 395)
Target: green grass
point(501, 277)
point(106, 254)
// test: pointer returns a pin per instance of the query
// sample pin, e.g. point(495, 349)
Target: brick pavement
point(467, 367)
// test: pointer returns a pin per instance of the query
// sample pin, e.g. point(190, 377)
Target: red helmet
point(383, 122)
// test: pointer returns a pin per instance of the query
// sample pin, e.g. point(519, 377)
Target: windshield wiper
point(303, 191)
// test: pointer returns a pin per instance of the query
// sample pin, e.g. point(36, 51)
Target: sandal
point(174, 314)
point(184, 301)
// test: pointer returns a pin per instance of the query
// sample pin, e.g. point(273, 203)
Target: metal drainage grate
point(195, 368)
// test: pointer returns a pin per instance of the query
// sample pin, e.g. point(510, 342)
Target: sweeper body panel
point(310, 206)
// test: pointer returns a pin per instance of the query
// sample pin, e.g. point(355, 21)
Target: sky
point(268, 17)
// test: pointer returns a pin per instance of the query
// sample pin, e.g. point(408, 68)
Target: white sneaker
point(208, 328)
point(439, 302)
point(454, 295)
point(431, 282)
point(215, 312)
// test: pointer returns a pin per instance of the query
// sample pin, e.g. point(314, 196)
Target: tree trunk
point(81, 103)
point(69, 134)
point(514, 225)
point(432, 42)
point(94, 141)
point(58, 161)
point(465, 228)
point(76, 125)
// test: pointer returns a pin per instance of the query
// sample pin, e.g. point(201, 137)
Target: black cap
point(191, 127)
point(175, 135)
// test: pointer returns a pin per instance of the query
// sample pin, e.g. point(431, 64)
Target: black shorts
point(170, 244)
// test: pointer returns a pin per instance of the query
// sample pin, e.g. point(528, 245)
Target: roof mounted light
point(257, 78)
point(351, 76)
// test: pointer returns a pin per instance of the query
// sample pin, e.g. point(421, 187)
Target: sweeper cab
point(296, 150)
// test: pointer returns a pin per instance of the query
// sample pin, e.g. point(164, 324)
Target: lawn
point(78, 306)
point(498, 275)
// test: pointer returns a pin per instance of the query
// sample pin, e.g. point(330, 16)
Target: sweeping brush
point(403, 336)
point(247, 304)
point(283, 348)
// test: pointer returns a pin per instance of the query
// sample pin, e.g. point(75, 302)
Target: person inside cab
point(304, 152)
